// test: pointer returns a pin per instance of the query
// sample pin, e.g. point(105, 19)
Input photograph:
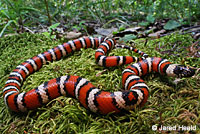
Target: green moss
point(169, 104)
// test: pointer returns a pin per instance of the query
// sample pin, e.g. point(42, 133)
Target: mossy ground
point(169, 104)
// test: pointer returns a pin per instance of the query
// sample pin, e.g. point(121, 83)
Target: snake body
point(135, 94)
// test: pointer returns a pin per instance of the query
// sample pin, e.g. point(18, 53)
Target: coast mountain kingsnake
point(135, 93)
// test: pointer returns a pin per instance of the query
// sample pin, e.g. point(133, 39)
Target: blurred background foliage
point(15, 14)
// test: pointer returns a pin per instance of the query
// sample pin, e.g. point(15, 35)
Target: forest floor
point(172, 102)
point(166, 29)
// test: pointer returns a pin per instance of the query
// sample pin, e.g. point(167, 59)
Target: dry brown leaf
point(73, 35)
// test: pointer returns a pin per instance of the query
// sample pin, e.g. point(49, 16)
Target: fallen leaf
point(133, 30)
point(73, 35)
point(105, 32)
point(197, 36)
point(194, 50)
point(157, 34)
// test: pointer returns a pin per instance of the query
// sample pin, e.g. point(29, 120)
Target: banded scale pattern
point(131, 76)
point(132, 49)
point(73, 86)
point(111, 61)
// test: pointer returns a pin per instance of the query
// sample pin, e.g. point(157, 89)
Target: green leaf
point(127, 38)
point(10, 21)
point(150, 19)
point(76, 27)
point(144, 24)
point(114, 32)
point(121, 28)
point(54, 26)
point(47, 34)
point(5, 14)
point(82, 22)
point(171, 24)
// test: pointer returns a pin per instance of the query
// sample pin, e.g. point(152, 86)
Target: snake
point(135, 91)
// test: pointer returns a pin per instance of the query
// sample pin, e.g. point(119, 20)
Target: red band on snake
point(135, 94)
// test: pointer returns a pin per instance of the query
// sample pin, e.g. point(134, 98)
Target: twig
point(26, 28)
point(47, 9)
point(145, 43)
point(192, 31)
point(187, 28)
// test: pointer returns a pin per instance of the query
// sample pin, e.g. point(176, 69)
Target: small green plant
point(14, 12)
point(149, 20)
point(8, 24)
point(50, 34)
point(35, 13)
point(80, 26)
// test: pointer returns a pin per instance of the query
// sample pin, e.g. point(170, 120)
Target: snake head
point(184, 71)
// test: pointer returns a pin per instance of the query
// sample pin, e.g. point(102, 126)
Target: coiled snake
point(135, 93)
